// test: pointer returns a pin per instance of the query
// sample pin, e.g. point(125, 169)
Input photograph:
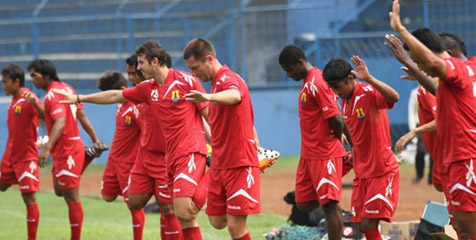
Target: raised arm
point(390, 95)
point(105, 97)
point(396, 46)
point(425, 56)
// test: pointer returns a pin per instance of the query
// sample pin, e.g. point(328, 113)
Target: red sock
point(200, 195)
point(172, 228)
point(373, 234)
point(192, 233)
point(245, 237)
point(87, 161)
point(138, 220)
point(32, 220)
point(75, 219)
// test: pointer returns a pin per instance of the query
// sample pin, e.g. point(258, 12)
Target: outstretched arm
point(425, 128)
point(227, 97)
point(424, 55)
point(390, 95)
point(396, 46)
point(105, 97)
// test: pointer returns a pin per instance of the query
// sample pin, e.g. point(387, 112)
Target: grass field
point(101, 220)
point(112, 220)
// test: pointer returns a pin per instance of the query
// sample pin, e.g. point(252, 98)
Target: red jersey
point(126, 137)
point(317, 103)
point(456, 114)
point(151, 137)
point(365, 115)
point(427, 113)
point(22, 122)
point(55, 110)
point(232, 140)
point(180, 121)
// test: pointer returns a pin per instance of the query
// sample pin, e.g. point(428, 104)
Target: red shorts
point(234, 191)
point(446, 191)
point(375, 197)
point(67, 168)
point(319, 180)
point(462, 186)
point(149, 175)
point(185, 173)
point(24, 173)
point(115, 178)
point(436, 174)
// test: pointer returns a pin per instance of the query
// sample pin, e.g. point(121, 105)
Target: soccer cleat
point(96, 150)
point(267, 158)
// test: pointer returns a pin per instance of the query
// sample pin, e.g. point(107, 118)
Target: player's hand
point(43, 157)
point(29, 97)
point(197, 97)
point(70, 97)
point(409, 75)
point(394, 15)
point(362, 71)
point(400, 145)
point(396, 46)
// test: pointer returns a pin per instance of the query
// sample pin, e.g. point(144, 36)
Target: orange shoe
point(267, 158)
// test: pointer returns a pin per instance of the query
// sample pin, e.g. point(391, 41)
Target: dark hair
point(168, 60)
point(44, 67)
point(291, 55)
point(452, 41)
point(14, 72)
point(132, 60)
point(112, 80)
point(429, 38)
point(336, 70)
point(199, 48)
point(152, 49)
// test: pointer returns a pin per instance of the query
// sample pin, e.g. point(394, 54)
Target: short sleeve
point(56, 110)
point(377, 98)
point(456, 71)
point(232, 83)
point(326, 100)
point(137, 94)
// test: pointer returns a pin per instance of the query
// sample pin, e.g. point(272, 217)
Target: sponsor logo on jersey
point(154, 95)
point(371, 211)
point(234, 207)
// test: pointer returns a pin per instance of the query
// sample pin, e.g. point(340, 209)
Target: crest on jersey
point(175, 96)
point(360, 113)
point(71, 163)
point(18, 110)
point(128, 120)
point(437, 84)
point(32, 167)
point(303, 98)
point(154, 95)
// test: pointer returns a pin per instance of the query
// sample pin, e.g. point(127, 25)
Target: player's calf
point(237, 225)
point(334, 219)
point(4, 187)
point(466, 224)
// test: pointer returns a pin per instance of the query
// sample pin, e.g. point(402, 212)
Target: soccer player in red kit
point(234, 189)
point(64, 142)
point(180, 121)
point(19, 163)
point(456, 118)
point(377, 178)
point(426, 110)
point(319, 174)
point(123, 152)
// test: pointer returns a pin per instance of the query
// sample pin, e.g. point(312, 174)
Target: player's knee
point(4, 187)
point(331, 208)
point(306, 207)
point(166, 208)
point(109, 198)
point(59, 192)
point(186, 214)
point(438, 188)
point(368, 224)
point(135, 205)
point(29, 198)
point(218, 223)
